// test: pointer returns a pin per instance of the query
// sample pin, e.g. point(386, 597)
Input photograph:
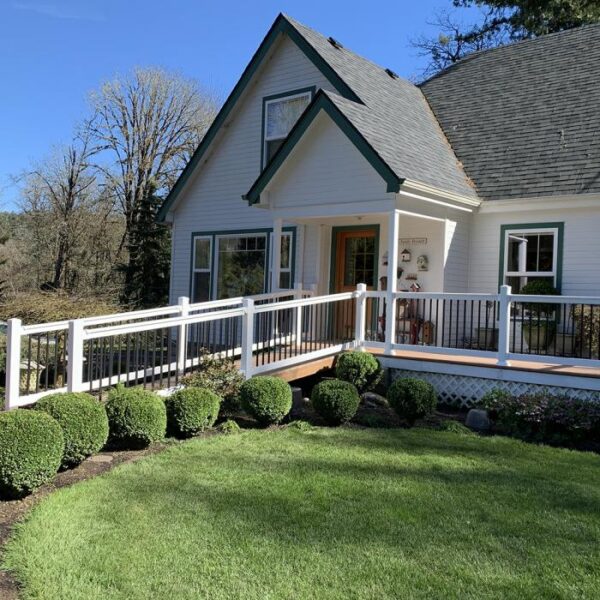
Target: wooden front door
point(355, 262)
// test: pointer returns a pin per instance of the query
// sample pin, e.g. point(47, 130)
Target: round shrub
point(267, 399)
point(83, 421)
point(229, 427)
point(359, 368)
point(191, 410)
point(136, 417)
point(335, 401)
point(412, 399)
point(31, 450)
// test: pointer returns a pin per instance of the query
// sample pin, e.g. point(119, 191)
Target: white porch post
point(13, 363)
point(504, 326)
point(276, 266)
point(392, 272)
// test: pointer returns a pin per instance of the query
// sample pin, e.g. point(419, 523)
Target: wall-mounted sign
point(406, 241)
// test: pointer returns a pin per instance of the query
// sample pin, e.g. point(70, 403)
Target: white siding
point(212, 200)
point(456, 270)
point(581, 255)
point(325, 168)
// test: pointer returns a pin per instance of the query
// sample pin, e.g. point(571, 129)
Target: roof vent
point(334, 43)
point(392, 74)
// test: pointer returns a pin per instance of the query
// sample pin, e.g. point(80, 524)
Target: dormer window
point(280, 114)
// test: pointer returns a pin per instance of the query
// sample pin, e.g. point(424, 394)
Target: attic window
point(392, 74)
point(280, 115)
point(334, 43)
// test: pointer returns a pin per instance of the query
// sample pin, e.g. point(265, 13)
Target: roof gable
point(328, 103)
point(281, 26)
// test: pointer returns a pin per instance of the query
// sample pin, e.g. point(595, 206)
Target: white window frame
point(522, 272)
point(308, 94)
point(288, 269)
point(203, 269)
point(233, 234)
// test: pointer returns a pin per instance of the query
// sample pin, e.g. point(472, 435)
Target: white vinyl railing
point(264, 333)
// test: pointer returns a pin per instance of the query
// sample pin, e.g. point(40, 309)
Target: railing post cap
point(361, 287)
point(505, 289)
point(247, 302)
point(183, 300)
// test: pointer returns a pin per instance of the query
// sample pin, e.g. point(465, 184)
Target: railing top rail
point(554, 299)
point(304, 302)
point(45, 327)
point(160, 323)
point(445, 296)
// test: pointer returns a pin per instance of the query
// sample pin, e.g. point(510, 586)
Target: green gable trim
point(266, 99)
point(233, 232)
point(334, 232)
point(279, 27)
point(323, 103)
point(559, 226)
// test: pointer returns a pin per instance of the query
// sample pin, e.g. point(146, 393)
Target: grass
point(323, 513)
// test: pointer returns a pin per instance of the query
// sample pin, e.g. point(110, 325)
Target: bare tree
point(453, 42)
point(56, 194)
point(145, 128)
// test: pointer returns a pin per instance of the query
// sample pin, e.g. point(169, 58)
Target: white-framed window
point(201, 271)
point(530, 254)
point(241, 261)
point(285, 273)
point(280, 115)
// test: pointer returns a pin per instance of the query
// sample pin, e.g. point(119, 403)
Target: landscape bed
point(322, 513)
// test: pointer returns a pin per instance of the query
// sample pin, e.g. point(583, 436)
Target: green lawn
point(328, 513)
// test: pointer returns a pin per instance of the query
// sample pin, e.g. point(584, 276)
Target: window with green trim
point(280, 115)
point(231, 264)
point(530, 254)
point(285, 273)
point(201, 270)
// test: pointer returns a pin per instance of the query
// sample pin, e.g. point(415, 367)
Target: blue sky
point(53, 52)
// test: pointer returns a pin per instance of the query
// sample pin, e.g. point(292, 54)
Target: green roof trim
point(322, 102)
point(280, 26)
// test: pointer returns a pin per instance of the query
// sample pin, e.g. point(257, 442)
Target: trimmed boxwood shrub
point(83, 421)
point(31, 450)
point(267, 399)
point(335, 401)
point(412, 398)
point(136, 417)
point(229, 427)
point(359, 368)
point(191, 410)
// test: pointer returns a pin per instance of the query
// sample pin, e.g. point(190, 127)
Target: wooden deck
point(311, 367)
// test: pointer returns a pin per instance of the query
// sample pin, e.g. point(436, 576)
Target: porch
point(485, 337)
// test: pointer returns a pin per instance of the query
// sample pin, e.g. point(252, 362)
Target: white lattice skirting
point(462, 390)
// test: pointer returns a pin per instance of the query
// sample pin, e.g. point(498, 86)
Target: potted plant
point(539, 319)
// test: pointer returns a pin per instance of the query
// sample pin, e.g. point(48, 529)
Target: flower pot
point(487, 338)
point(538, 336)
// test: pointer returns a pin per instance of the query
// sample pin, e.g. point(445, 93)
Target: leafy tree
point(501, 22)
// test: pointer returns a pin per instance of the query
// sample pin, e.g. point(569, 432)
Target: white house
point(324, 170)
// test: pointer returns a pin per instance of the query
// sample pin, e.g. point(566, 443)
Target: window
point(201, 269)
point(280, 115)
point(531, 254)
point(285, 273)
point(241, 261)
point(231, 264)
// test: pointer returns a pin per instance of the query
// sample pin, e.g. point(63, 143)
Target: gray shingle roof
point(395, 119)
point(524, 119)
